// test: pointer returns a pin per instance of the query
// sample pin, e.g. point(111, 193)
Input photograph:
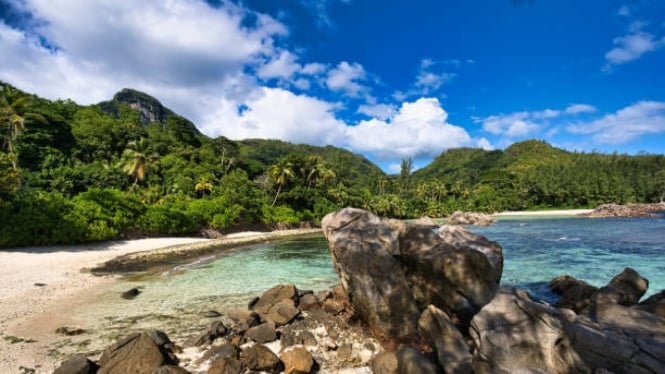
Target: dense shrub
point(167, 218)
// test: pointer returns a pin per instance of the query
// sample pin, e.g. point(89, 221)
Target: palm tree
point(280, 173)
point(203, 186)
point(136, 160)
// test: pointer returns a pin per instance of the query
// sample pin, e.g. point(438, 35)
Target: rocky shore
point(413, 298)
point(628, 210)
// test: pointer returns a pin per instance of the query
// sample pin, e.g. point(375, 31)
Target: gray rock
point(575, 294)
point(514, 333)
point(130, 294)
point(391, 270)
point(282, 312)
point(297, 360)
point(273, 296)
point(259, 357)
point(78, 364)
point(411, 360)
point(170, 369)
point(470, 218)
point(262, 333)
point(136, 353)
point(626, 288)
point(225, 366)
point(243, 318)
point(384, 363)
point(451, 349)
point(309, 302)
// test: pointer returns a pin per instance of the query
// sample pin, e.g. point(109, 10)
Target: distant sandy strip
point(543, 213)
point(39, 285)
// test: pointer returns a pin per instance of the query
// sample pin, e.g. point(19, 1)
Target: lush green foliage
point(71, 173)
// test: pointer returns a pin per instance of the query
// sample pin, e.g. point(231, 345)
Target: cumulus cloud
point(381, 111)
point(345, 77)
point(528, 123)
point(631, 122)
point(283, 66)
point(418, 129)
point(632, 46)
point(161, 47)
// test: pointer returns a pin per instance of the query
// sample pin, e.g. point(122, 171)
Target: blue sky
point(387, 79)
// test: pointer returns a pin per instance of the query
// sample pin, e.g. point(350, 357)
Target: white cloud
point(511, 125)
point(282, 66)
point(380, 111)
point(484, 144)
point(547, 113)
point(418, 129)
point(313, 68)
point(631, 122)
point(632, 46)
point(579, 108)
point(344, 77)
point(166, 48)
point(275, 113)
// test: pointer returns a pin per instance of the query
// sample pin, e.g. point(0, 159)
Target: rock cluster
point(284, 330)
point(431, 296)
point(470, 218)
point(628, 210)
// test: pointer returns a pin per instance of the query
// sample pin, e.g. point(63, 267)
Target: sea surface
point(535, 251)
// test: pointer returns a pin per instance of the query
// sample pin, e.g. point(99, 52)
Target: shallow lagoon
point(535, 251)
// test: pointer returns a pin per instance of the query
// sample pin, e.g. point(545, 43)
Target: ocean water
point(535, 251)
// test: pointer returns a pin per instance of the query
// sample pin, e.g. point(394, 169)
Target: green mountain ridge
point(130, 166)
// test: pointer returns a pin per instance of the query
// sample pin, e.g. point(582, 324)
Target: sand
point(543, 213)
point(39, 286)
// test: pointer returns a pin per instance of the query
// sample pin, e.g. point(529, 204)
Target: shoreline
point(542, 213)
point(42, 285)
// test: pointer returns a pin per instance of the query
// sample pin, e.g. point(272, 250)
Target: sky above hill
point(388, 79)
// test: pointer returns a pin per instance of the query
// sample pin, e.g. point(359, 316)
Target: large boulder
point(626, 289)
point(392, 270)
point(137, 353)
point(574, 294)
point(78, 364)
point(514, 333)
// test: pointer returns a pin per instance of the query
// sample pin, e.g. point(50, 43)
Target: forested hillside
point(129, 166)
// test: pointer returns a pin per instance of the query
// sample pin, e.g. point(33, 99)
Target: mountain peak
point(149, 108)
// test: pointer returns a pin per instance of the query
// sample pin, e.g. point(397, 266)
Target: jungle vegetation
point(130, 167)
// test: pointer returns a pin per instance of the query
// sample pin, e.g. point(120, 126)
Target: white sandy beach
point(543, 213)
point(40, 285)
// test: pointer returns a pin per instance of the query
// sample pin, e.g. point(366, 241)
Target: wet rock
point(411, 360)
point(470, 218)
point(212, 314)
point(282, 312)
point(297, 360)
point(225, 366)
point(78, 364)
point(136, 353)
point(259, 357)
point(654, 304)
point(273, 296)
point(451, 349)
point(130, 294)
point(214, 331)
point(626, 289)
point(243, 318)
point(262, 333)
point(575, 294)
point(225, 350)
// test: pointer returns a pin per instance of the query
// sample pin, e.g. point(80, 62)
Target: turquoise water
point(594, 250)
point(535, 251)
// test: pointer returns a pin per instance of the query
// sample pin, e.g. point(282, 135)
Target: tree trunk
point(279, 188)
